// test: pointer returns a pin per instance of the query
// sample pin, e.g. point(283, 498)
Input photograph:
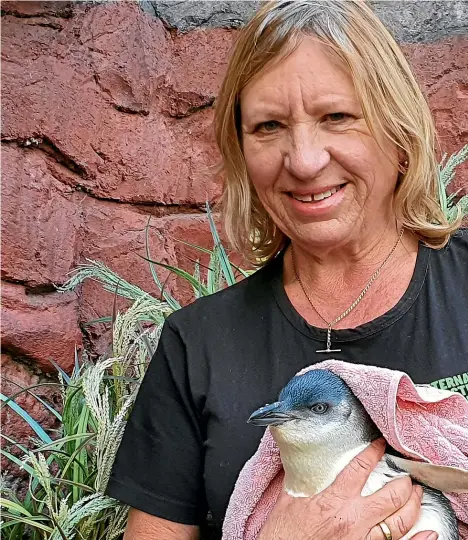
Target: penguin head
point(316, 407)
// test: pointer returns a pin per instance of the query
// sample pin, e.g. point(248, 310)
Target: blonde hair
point(389, 95)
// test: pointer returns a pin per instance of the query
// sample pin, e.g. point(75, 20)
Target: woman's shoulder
point(456, 250)
point(460, 239)
point(240, 301)
point(449, 265)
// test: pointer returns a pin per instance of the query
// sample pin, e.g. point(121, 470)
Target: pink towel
point(421, 422)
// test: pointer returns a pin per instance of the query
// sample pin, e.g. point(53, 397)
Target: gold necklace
point(356, 302)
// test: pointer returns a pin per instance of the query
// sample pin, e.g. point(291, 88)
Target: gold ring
point(387, 532)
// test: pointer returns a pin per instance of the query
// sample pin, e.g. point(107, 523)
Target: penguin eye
point(319, 408)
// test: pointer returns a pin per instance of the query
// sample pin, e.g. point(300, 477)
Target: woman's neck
point(334, 278)
point(354, 254)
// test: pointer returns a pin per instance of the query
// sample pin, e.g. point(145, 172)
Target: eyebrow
point(263, 103)
point(261, 110)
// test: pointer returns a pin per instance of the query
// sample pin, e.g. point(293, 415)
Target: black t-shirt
point(227, 354)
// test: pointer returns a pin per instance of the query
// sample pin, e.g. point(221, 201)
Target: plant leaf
point(28, 521)
point(20, 446)
point(167, 296)
point(98, 321)
point(31, 521)
point(224, 259)
point(199, 248)
point(151, 350)
point(25, 416)
point(57, 443)
point(28, 390)
point(77, 368)
point(18, 462)
point(183, 274)
point(64, 374)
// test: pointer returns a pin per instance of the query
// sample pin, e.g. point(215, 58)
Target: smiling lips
point(318, 205)
point(315, 196)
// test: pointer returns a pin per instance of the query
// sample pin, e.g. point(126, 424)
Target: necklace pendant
point(356, 302)
point(328, 349)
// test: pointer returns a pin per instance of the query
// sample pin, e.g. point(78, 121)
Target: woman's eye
point(268, 127)
point(337, 117)
point(319, 408)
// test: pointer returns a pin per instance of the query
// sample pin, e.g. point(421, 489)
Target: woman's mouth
point(315, 197)
point(317, 204)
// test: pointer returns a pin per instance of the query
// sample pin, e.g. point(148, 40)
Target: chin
point(325, 234)
point(294, 433)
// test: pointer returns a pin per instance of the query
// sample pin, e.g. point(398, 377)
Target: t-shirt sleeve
point(159, 465)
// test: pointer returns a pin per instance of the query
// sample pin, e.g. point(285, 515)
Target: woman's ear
point(446, 479)
point(402, 160)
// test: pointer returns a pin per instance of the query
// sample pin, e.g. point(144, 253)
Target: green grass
point(68, 474)
point(450, 205)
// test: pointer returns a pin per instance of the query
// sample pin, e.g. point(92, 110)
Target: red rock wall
point(107, 120)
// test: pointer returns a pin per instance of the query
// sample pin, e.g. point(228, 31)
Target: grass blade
point(64, 374)
point(151, 350)
point(58, 442)
point(244, 273)
point(31, 521)
point(167, 296)
point(77, 368)
point(223, 258)
point(28, 390)
point(183, 274)
point(25, 416)
point(18, 462)
point(14, 507)
point(194, 246)
point(79, 485)
point(20, 446)
point(114, 318)
point(98, 321)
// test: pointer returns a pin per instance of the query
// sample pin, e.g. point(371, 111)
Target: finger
point(283, 499)
point(403, 520)
point(354, 476)
point(386, 501)
point(425, 535)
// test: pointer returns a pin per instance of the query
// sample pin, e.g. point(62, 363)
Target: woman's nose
point(306, 155)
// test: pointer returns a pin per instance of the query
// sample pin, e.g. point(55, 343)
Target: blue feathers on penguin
point(320, 426)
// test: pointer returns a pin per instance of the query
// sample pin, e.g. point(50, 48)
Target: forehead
point(311, 72)
point(315, 386)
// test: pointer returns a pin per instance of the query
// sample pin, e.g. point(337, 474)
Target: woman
point(330, 186)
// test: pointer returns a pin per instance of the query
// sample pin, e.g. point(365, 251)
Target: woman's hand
point(341, 512)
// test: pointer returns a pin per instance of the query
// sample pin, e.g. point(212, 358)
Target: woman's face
point(312, 160)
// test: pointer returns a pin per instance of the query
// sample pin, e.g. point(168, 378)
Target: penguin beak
point(270, 415)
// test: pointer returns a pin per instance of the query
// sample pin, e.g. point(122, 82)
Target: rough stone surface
point(442, 70)
point(108, 95)
point(198, 85)
point(129, 55)
point(38, 327)
point(25, 8)
point(40, 220)
point(187, 15)
point(423, 21)
point(410, 21)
